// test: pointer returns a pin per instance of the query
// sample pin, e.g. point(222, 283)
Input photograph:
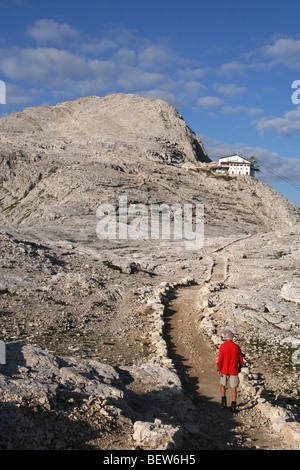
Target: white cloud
point(284, 51)
point(242, 110)
point(232, 68)
point(286, 126)
point(97, 46)
point(281, 51)
point(16, 94)
point(195, 87)
point(131, 78)
point(229, 90)
point(47, 31)
point(192, 74)
point(210, 102)
point(57, 71)
point(23, 64)
point(158, 57)
point(126, 56)
point(66, 60)
point(37, 65)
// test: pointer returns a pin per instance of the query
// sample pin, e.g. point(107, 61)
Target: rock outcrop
point(47, 401)
point(83, 317)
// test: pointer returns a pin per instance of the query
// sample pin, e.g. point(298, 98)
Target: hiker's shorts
point(229, 380)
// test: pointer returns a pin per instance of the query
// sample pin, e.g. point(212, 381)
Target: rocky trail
point(181, 323)
point(195, 358)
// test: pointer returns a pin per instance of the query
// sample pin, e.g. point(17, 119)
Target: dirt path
point(195, 359)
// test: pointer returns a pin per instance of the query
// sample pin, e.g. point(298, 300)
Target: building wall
point(239, 169)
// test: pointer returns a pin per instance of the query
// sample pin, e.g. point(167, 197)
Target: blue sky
point(228, 67)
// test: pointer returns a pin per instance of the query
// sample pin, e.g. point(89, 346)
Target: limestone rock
point(156, 436)
point(291, 291)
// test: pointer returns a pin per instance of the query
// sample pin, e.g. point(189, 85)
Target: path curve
point(195, 357)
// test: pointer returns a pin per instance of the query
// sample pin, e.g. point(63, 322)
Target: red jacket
point(230, 358)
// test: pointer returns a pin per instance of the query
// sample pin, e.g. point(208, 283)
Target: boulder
point(291, 291)
point(156, 436)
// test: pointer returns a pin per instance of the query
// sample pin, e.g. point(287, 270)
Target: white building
point(234, 165)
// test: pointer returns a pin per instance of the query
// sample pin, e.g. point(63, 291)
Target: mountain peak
point(149, 126)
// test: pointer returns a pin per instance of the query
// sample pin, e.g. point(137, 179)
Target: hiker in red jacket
point(229, 365)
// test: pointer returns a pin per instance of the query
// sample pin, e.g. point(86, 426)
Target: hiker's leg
point(233, 403)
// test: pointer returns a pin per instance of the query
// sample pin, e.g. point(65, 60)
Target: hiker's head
point(228, 335)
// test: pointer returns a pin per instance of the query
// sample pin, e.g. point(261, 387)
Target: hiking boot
point(224, 402)
point(233, 407)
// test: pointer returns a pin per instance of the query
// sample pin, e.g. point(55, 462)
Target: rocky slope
point(59, 163)
point(94, 308)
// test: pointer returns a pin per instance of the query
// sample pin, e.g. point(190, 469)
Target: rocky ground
point(119, 337)
point(92, 349)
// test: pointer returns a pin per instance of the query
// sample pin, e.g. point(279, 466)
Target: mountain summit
point(126, 123)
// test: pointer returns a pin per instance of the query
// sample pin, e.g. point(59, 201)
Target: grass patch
point(212, 174)
point(278, 255)
point(7, 292)
point(57, 302)
point(102, 304)
point(112, 266)
point(52, 170)
point(12, 206)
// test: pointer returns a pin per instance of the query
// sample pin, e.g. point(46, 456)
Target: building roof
point(234, 159)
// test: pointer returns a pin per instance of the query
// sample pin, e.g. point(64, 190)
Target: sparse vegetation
point(110, 265)
point(212, 174)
